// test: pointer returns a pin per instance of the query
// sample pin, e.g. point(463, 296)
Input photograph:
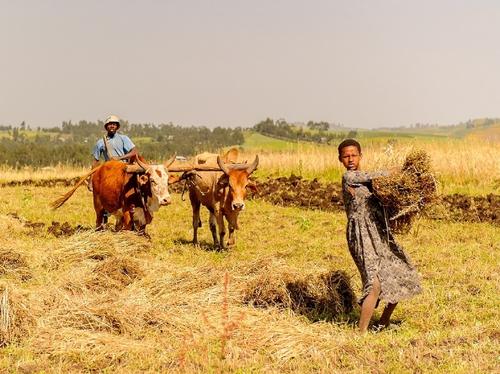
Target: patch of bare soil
point(65, 182)
point(295, 191)
point(308, 194)
point(458, 207)
point(57, 229)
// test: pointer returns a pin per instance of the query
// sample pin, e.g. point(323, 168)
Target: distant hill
point(322, 132)
point(460, 130)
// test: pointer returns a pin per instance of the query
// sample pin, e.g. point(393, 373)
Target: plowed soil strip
point(312, 194)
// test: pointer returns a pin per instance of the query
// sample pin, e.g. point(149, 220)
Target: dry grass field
point(467, 166)
point(75, 300)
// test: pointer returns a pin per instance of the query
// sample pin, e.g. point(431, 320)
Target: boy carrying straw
point(386, 271)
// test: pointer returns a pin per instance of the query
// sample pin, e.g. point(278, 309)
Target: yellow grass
point(171, 310)
point(467, 165)
point(8, 174)
point(463, 166)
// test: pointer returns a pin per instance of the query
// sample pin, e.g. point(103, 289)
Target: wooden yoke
point(191, 167)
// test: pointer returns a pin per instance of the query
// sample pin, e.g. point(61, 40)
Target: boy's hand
point(394, 170)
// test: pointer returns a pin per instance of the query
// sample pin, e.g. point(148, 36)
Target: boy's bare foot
point(385, 319)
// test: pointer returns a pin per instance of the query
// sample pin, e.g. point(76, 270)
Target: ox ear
point(173, 178)
point(170, 161)
point(231, 155)
point(253, 166)
point(142, 179)
point(252, 186)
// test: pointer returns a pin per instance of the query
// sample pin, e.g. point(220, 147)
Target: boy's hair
point(347, 143)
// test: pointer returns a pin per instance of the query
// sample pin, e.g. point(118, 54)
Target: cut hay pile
point(317, 296)
point(14, 264)
point(406, 193)
point(115, 273)
point(15, 316)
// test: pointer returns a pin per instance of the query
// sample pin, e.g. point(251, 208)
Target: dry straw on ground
point(14, 264)
point(115, 273)
point(325, 295)
point(15, 315)
point(406, 193)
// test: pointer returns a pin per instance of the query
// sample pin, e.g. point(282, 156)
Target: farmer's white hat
point(112, 119)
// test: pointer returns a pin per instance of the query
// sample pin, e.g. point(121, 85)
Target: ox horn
point(251, 168)
point(170, 162)
point(222, 166)
point(134, 168)
point(143, 164)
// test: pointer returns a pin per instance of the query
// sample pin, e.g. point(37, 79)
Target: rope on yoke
point(188, 182)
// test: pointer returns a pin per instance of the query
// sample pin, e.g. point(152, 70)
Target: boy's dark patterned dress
point(372, 245)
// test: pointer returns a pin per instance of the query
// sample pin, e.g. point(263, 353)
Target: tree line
point(72, 143)
point(318, 132)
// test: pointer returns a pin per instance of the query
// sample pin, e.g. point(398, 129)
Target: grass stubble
point(118, 302)
point(460, 166)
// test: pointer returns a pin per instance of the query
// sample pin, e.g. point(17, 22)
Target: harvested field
point(117, 302)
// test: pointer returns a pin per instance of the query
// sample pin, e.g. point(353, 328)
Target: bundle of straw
point(406, 193)
point(15, 316)
point(317, 296)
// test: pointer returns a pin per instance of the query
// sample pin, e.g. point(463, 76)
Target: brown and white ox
point(222, 193)
point(130, 192)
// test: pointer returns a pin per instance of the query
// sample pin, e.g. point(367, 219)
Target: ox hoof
point(143, 233)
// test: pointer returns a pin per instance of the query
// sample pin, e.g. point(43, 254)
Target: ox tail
point(59, 202)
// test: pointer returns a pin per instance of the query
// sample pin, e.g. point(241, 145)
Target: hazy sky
point(232, 63)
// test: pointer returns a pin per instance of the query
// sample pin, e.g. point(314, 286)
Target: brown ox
point(222, 193)
point(132, 193)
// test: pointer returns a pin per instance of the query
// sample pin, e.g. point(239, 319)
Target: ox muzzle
point(238, 205)
point(165, 201)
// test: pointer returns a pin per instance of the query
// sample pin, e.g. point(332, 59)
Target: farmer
point(386, 271)
point(112, 146)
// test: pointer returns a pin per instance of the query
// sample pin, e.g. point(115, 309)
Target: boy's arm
point(362, 177)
